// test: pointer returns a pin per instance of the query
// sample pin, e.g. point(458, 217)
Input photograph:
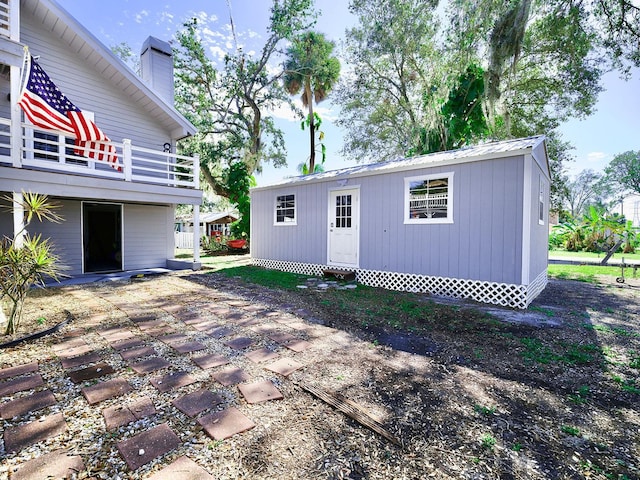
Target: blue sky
point(613, 129)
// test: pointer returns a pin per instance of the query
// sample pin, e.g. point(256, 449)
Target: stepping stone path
point(150, 365)
point(231, 376)
point(32, 403)
point(57, 464)
point(85, 359)
point(261, 355)
point(17, 438)
point(239, 343)
point(237, 325)
point(20, 384)
point(189, 347)
point(225, 424)
point(18, 370)
point(89, 373)
point(147, 446)
point(172, 380)
point(260, 392)
point(196, 402)
point(210, 361)
point(183, 469)
point(138, 352)
point(120, 415)
point(106, 390)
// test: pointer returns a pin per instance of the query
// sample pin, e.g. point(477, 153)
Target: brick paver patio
point(245, 331)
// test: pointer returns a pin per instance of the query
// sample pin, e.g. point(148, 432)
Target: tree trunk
point(312, 130)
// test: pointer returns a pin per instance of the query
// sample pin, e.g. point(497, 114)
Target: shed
point(469, 223)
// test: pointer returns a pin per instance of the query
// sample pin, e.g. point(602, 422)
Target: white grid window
point(285, 213)
point(429, 199)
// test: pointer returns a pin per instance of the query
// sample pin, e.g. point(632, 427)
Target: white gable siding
point(114, 113)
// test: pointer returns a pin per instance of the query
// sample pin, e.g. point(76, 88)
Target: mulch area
point(190, 374)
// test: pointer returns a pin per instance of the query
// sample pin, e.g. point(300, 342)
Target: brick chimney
point(156, 67)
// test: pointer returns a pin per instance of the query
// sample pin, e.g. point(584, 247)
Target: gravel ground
point(474, 408)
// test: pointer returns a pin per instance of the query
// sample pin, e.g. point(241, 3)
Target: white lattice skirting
point(505, 294)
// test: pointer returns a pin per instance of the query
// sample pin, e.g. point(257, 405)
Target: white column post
point(127, 163)
point(16, 117)
point(18, 219)
point(196, 171)
point(14, 20)
point(196, 233)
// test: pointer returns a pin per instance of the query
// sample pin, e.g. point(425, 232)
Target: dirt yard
point(550, 393)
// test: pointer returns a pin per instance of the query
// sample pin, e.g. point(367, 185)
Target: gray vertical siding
point(146, 242)
point(483, 243)
point(6, 218)
point(305, 242)
point(145, 236)
point(66, 236)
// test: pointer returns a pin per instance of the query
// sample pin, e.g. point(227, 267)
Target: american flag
point(47, 107)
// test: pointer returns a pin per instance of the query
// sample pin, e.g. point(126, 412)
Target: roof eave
point(396, 166)
point(182, 127)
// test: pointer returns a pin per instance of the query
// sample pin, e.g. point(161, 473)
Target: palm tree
point(311, 68)
point(26, 260)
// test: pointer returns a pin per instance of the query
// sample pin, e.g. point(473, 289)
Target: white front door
point(344, 218)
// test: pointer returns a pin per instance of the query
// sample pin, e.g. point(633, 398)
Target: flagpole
point(26, 68)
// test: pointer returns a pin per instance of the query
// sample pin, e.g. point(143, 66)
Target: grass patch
point(628, 385)
point(376, 307)
point(547, 311)
point(484, 410)
point(266, 278)
point(569, 430)
point(581, 273)
point(567, 353)
point(536, 351)
point(581, 395)
point(592, 256)
point(614, 331)
point(488, 442)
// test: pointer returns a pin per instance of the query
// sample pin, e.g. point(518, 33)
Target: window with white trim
point(429, 198)
point(285, 213)
point(541, 206)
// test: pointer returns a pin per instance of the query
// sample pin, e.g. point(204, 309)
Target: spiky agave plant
point(26, 260)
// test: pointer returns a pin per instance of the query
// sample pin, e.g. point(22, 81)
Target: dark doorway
point(102, 237)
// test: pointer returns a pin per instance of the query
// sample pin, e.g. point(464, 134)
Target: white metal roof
point(505, 148)
point(87, 47)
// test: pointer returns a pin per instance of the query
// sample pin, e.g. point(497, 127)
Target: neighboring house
point(210, 223)
point(630, 208)
point(114, 220)
point(465, 223)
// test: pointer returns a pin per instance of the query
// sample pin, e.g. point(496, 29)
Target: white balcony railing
point(5, 18)
point(46, 150)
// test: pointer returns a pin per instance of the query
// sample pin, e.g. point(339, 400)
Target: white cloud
point(593, 157)
point(140, 16)
point(217, 52)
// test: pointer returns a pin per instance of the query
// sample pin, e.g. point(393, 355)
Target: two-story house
point(114, 220)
